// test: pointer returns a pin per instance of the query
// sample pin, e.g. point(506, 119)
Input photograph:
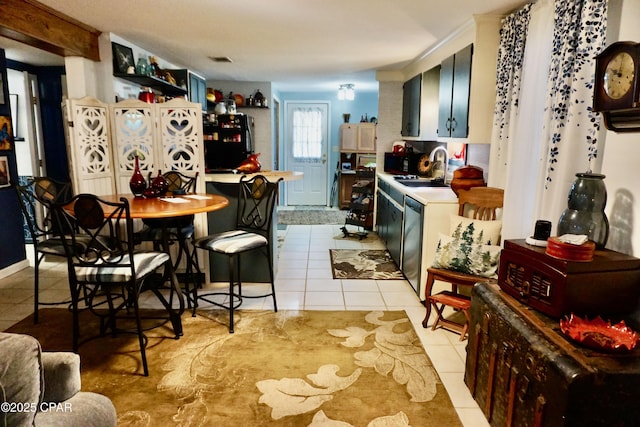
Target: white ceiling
point(292, 43)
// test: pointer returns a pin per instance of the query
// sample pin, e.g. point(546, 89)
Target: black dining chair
point(110, 273)
point(35, 198)
point(178, 230)
point(256, 202)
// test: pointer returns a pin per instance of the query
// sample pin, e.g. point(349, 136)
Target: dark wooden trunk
point(522, 371)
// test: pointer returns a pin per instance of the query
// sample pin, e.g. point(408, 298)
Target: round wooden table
point(170, 206)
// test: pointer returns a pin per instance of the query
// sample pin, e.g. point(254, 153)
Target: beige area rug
point(363, 264)
point(291, 368)
point(311, 216)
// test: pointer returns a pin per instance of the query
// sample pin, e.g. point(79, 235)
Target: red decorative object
point(569, 252)
point(251, 165)
point(137, 183)
point(598, 334)
point(147, 95)
point(160, 184)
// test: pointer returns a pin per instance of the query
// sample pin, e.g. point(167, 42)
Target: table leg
point(175, 285)
point(174, 315)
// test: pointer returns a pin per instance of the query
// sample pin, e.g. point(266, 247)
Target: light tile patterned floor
point(303, 281)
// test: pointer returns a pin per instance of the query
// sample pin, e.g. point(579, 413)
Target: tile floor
point(303, 281)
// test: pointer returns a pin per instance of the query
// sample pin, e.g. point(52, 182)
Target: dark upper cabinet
point(455, 84)
point(195, 86)
point(198, 90)
point(411, 106)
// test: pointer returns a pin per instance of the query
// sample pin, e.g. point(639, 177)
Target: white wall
point(622, 151)
point(389, 118)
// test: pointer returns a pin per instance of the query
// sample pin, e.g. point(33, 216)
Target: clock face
point(618, 75)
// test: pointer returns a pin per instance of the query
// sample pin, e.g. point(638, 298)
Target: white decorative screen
point(89, 146)
point(103, 140)
point(180, 130)
point(133, 124)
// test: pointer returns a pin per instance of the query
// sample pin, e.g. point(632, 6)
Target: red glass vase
point(159, 184)
point(137, 183)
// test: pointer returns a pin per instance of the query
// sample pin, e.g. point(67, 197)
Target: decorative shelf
point(154, 83)
point(212, 105)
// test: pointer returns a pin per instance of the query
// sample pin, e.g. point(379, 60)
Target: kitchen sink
point(420, 182)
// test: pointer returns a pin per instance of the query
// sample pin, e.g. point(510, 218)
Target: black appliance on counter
point(228, 142)
point(412, 160)
point(403, 163)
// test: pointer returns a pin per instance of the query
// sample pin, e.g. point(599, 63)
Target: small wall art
point(5, 180)
point(5, 133)
point(122, 58)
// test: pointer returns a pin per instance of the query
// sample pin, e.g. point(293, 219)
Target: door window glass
point(307, 135)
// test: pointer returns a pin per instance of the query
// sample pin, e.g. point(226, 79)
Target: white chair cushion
point(232, 242)
point(145, 262)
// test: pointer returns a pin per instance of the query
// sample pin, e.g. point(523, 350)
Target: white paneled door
point(306, 147)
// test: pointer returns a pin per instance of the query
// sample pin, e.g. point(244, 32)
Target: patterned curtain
point(513, 35)
point(571, 134)
point(544, 131)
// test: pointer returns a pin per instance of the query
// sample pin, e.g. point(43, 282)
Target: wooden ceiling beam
point(37, 25)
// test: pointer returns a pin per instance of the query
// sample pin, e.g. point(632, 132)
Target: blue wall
point(11, 239)
point(364, 103)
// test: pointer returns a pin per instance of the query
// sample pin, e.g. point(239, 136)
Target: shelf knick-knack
point(147, 95)
point(154, 69)
point(142, 66)
point(259, 99)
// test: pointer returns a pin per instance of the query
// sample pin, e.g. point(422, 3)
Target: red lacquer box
point(608, 284)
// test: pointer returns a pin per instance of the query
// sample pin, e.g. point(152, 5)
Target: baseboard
point(14, 268)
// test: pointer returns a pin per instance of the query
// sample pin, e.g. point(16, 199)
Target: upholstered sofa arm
point(61, 375)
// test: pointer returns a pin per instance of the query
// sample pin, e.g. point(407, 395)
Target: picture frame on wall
point(5, 133)
point(122, 58)
point(5, 175)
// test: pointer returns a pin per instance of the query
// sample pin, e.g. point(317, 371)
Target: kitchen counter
point(232, 178)
point(423, 195)
point(411, 231)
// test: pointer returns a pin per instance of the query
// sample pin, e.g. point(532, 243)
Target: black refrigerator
point(228, 141)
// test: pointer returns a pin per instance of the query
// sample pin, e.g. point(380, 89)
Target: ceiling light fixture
point(346, 92)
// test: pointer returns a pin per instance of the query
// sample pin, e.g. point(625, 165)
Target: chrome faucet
point(444, 158)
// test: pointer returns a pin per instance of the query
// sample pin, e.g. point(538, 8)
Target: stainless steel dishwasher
point(412, 242)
